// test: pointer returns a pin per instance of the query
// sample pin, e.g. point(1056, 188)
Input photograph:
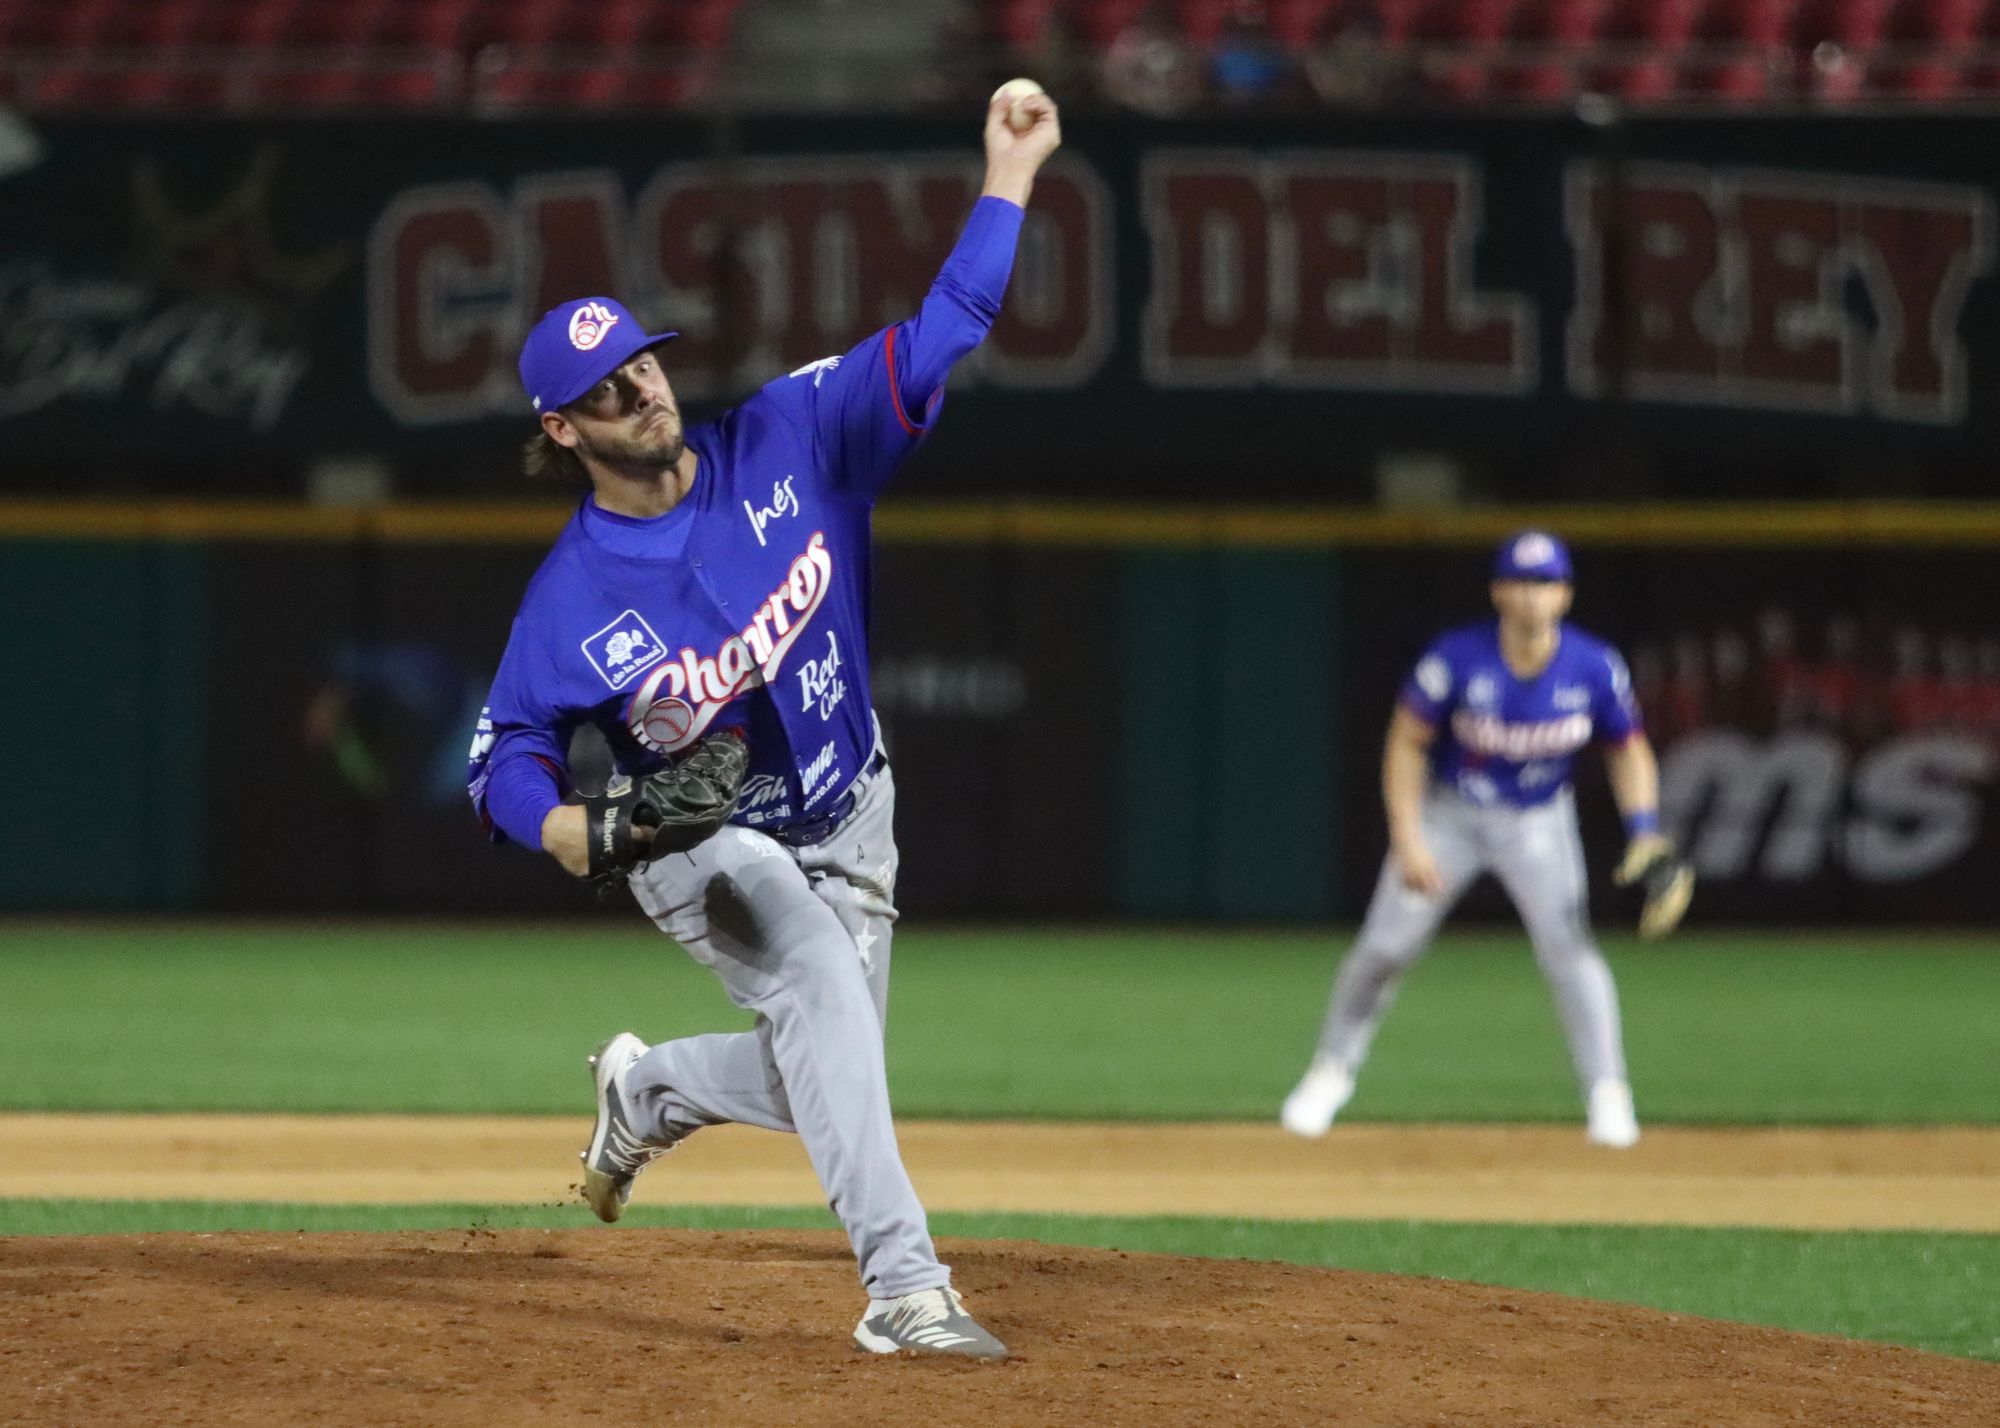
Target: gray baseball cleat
point(616, 1154)
point(931, 1321)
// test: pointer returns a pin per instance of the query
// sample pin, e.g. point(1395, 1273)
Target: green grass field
point(1170, 1024)
point(1167, 1025)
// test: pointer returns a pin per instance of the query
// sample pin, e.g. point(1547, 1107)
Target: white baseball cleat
point(616, 1154)
point(930, 1321)
point(1317, 1099)
point(1612, 1121)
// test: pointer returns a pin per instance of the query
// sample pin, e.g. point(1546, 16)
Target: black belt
point(817, 829)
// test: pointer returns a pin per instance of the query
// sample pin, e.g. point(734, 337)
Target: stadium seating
point(116, 53)
point(1728, 51)
point(384, 53)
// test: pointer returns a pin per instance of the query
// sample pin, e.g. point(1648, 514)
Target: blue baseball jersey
point(746, 605)
point(1502, 739)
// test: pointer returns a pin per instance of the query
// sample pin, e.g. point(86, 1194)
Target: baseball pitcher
point(706, 608)
point(1476, 777)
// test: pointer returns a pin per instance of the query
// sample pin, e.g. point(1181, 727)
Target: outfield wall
point(1094, 712)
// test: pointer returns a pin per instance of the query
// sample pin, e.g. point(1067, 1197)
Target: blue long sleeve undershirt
point(962, 304)
point(955, 316)
point(520, 791)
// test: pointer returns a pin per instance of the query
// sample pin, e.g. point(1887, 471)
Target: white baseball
point(1012, 93)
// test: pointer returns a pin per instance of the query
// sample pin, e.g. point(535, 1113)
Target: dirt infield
point(534, 1327)
point(1941, 1178)
point(643, 1326)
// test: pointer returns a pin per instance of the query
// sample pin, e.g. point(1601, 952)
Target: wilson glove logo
point(751, 657)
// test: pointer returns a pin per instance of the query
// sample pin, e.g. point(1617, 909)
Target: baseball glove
point(683, 803)
point(1665, 878)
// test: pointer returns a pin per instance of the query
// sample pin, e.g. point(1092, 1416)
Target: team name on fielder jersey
point(1481, 733)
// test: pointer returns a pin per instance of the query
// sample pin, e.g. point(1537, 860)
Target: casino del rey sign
point(1299, 269)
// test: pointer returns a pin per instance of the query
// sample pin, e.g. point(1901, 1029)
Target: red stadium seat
point(1400, 20)
point(692, 24)
point(1202, 21)
point(1020, 23)
point(1930, 44)
point(1099, 22)
point(435, 24)
point(1642, 42)
point(1296, 24)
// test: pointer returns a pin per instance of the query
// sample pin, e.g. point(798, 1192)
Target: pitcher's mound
point(647, 1326)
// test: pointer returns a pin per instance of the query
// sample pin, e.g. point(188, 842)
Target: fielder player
point(707, 608)
point(1476, 777)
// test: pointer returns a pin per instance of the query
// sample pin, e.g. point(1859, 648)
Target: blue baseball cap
point(1531, 555)
point(578, 344)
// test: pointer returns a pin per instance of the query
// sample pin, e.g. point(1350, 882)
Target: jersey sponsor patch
point(1434, 677)
point(624, 649)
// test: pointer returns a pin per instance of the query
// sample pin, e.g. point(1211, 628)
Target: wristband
point(1638, 825)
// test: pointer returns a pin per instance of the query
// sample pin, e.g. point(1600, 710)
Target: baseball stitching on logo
point(589, 324)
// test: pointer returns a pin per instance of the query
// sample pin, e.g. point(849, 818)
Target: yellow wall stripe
point(1036, 523)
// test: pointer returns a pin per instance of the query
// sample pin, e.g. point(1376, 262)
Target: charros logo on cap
point(589, 325)
point(1534, 549)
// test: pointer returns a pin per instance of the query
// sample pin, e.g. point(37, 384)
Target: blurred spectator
point(1837, 73)
point(1349, 63)
point(1246, 66)
point(1150, 67)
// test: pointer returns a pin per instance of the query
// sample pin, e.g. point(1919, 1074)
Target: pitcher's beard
point(648, 453)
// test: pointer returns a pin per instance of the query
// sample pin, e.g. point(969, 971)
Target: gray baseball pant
point(1537, 854)
point(800, 936)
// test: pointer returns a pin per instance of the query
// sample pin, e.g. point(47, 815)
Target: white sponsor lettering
point(784, 502)
point(748, 659)
point(818, 369)
point(1784, 809)
point(758, 790)
point(945, 687)
point(822, 761)
point(113, 342)
point(820, 682)
point(821, 776)
point(482, 737)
